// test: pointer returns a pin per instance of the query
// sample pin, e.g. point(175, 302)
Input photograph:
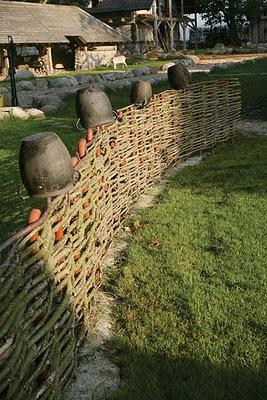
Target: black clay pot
point(45, 165)
point(141, 93)
point(93, 107)
point(179, 76)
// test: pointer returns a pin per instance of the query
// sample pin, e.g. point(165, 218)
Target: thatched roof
point(44, 23)
point(111, 6)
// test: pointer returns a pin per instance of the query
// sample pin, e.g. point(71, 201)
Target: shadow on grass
point(158, 377)
point(238, 167)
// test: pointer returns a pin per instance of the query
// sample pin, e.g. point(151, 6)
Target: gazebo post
point(50, 60)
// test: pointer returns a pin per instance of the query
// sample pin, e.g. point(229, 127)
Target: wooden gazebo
point(53, 27)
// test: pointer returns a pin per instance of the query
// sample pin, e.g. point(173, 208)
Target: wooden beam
point(50, 60)
point(196, 39)
point(155, 24)
point(6, 61)
point(183, 26)
point(171, 27)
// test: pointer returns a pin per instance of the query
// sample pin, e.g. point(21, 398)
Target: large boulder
point(24, 74)
point(219, 48)
point(141, 71)
point(41, 84)
point(16, 112)
point(43, 100)
point(85, 79)
point(128, 75)
point(6, 95)
point(110, 77)
point(62, 82)
point(25, 85)
point(49, 109)
point(154, 70)
point(35, 113)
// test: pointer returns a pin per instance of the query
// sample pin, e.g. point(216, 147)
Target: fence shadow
point(159, 377)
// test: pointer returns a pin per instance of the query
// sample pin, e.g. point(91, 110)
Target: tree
point(232, 12)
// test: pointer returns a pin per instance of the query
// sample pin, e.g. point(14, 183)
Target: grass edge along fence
point(48, 278)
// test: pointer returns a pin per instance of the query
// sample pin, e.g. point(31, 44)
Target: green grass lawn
point(190, 319)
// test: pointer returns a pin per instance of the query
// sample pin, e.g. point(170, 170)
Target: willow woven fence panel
point(48, 278)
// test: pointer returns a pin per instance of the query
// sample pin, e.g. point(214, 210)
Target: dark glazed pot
point(93, 107)
point(45, 165)
point(179, 76)
point(141, 93)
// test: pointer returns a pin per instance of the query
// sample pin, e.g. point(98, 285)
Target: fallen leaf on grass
point(137, 225)
point(153, 243)
point(127, 229)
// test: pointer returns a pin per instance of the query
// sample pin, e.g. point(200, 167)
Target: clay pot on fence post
point(179, 76)
point(141, 93)
point(45, 165)
point(93, 109)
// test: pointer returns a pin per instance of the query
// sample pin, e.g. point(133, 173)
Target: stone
point(4, 114)
point(25, 85)
point(128, 75)
point(73, 81)
point(49, 108)
point(110, 77)
point(141, 71)
point(154, 70)
point(25, 99)
point(24, 74)
point(219, 48)
point(261, 49)
point(84, 79)
point(99, 78)
point(119, 75)
point(166, 66)
point(35, 113)
point(50, 99)
point(62, 82)
point(17, 112)
point(3, 90)
point(41, 84)
point(250, 45)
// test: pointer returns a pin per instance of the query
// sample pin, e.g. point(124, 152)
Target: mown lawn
point(253, 85)
point(190, 319)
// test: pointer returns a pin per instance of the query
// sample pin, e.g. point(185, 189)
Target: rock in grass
point(43, 100)
point(26, 85)
point(35, 113)
point(49, 109)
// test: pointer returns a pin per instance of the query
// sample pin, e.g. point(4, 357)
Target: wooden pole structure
point(171, 26)
point(50, 60)
point(183, 25)
point(6, 61)
point(196, 38)
point(155, 23)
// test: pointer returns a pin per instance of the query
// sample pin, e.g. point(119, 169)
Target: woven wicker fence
point(49, 277)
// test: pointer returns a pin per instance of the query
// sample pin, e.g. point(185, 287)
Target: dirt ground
point(218, 59)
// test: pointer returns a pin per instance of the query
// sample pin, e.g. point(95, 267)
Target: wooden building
point(65, 37)
point(258, 30)
point(149, 23)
